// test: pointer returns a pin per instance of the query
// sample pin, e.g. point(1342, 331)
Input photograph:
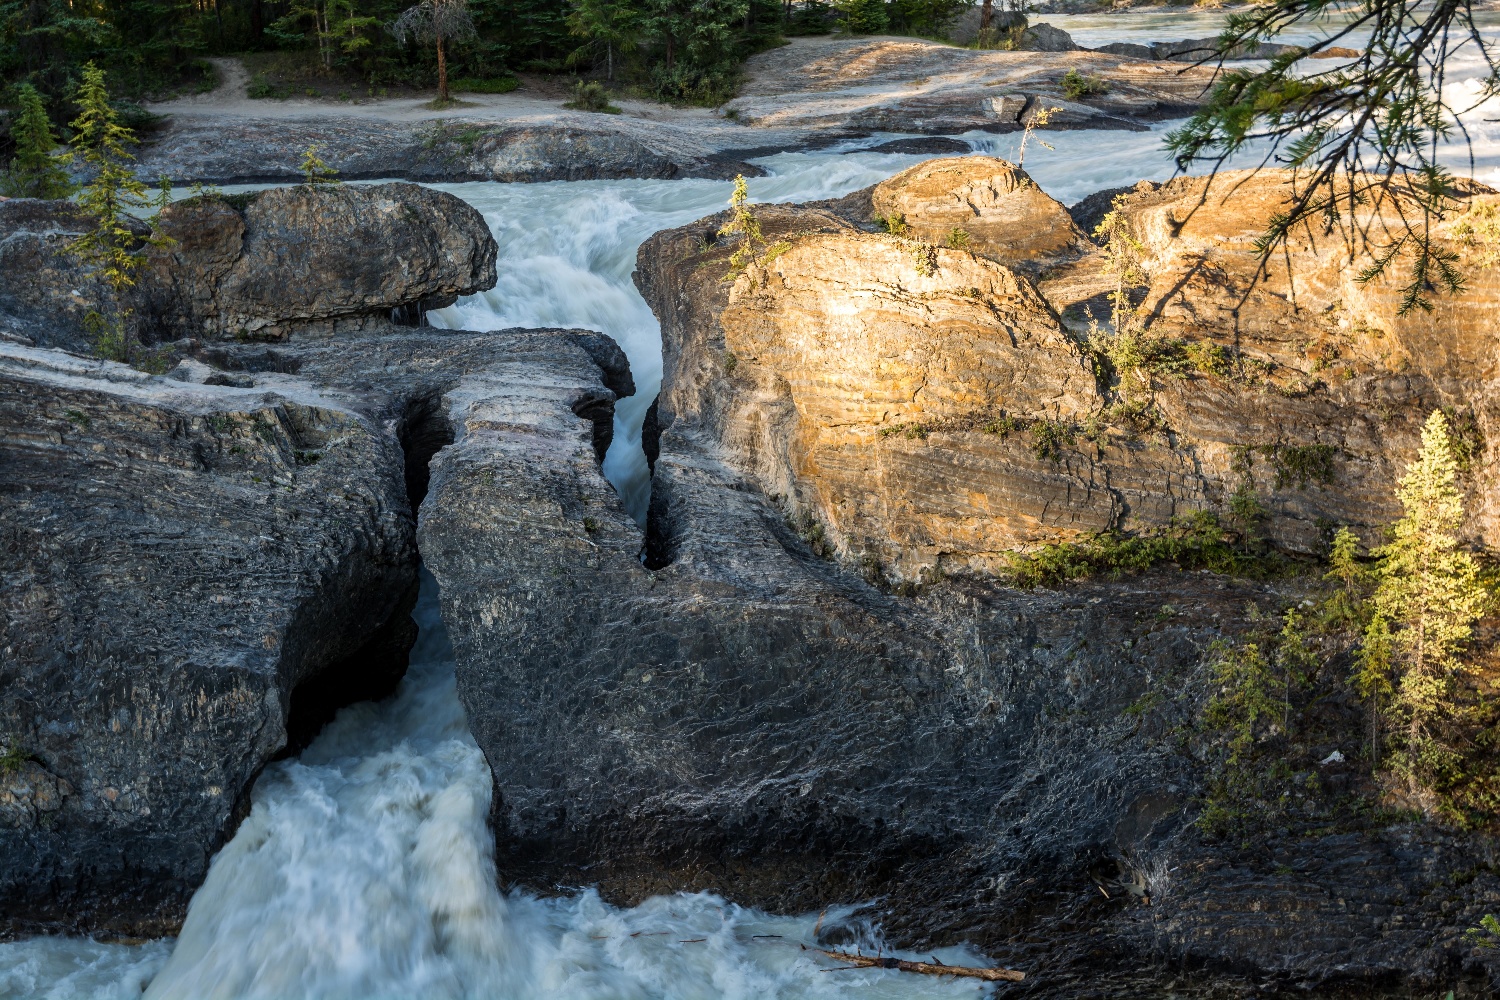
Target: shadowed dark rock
point(177, 558)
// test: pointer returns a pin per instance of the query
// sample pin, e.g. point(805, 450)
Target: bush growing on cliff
point(315, 172)
point(34, 171)
point(1194, 541)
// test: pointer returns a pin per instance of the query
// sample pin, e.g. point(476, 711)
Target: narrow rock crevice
point(425, 430)
point(374, 670)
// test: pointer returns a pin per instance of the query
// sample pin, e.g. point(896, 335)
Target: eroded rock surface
point(925, 409)
point(239, 148)
point(287, 259)
point(914, 85)
point(177, 558)
point(737, 714)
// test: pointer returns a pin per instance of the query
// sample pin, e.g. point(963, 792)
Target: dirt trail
point(231, 97)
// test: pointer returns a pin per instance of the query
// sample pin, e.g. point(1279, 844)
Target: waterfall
point(365, 868)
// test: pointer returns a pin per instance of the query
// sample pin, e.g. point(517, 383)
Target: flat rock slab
point(914, 85)
point(568, 146)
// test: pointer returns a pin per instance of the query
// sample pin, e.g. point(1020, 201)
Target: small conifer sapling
point(111, 248)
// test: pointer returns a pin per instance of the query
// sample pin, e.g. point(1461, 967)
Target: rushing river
point(364, 870)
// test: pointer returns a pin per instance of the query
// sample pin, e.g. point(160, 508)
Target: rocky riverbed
point(807, 681)
point(807, 94)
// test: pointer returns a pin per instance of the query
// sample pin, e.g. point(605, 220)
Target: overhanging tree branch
point(1362, 137)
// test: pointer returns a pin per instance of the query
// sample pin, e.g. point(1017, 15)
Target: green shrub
point(1196, 541)
point(1076, 85)
point(590, 95)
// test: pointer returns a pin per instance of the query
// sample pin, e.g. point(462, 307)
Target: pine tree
point(34, 171)
point(314, 170)
point(100, 141)
point(1431, 594)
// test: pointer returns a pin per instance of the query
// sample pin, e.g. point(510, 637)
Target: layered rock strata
point(927, 409)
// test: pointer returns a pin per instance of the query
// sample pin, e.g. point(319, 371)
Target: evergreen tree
point(1429, 595)
point(99, 142)
point(314, 170)
point(34, 171)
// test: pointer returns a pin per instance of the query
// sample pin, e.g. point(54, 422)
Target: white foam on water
point(364, 871)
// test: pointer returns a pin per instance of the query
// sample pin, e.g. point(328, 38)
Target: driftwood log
point(933, 968)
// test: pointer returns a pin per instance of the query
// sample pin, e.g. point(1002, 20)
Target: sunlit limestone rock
point(176, 558)
point(307, 260)
point(927, 409)
point(982, 204)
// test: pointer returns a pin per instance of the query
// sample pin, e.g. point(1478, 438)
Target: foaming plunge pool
point(364, 871)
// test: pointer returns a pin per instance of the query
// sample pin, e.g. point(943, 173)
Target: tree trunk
point(442, 71)
point(671, 52)
point(986, 12)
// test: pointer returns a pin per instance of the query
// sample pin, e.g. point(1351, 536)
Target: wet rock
point(927, 146)
point(178, 557)
point(233, 150)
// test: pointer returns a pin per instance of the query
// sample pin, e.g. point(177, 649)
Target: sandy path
point(231, 97)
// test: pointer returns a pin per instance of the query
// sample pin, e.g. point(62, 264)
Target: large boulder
point(734, 713)
point(986, 205)
point(309, 259)
point(932, 409)
point(177, 560)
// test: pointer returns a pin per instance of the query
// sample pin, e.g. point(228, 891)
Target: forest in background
point(682, 51)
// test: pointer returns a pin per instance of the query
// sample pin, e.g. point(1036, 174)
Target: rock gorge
point(806, 681)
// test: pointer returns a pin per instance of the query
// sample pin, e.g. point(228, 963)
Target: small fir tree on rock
point(112, 248)
point(1427, 600)
point(35, 171)
point(315, 171)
